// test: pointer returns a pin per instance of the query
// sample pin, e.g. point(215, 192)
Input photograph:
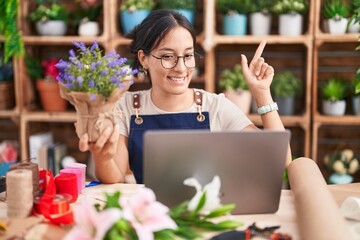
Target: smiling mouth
point(177, 79)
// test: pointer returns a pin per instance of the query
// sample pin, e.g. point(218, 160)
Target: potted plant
point(356, 93)
point(335, 13)
point(86, 18)
point(50, 18)
point(185, 7)
point(234, 15)
point(260, 17)
point(285, 87)
point(290, 16)
point(353, 24)
point(133, 12)
point(44, 74)
point(94, 83)
point(334, 92)
point(235, 87)
point(343, 164)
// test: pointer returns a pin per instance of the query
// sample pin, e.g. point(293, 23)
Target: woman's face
point(178, 42)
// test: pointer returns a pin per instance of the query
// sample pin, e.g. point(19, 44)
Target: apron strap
point(136, 107)
point(197, 99)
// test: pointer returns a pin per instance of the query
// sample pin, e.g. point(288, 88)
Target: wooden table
point(286, 216)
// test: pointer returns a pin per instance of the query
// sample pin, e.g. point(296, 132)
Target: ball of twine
point(33, 167)
point(19, 193)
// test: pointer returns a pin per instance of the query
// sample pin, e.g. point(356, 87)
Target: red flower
point(8, 152)
point(50, 71)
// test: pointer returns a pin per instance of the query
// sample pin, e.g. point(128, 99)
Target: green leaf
point(176, 211)
point(229, 224)
point(200, 204)
point(221, 211)
point(112, 200)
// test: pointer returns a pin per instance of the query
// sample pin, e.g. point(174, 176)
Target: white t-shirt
point(224, 115)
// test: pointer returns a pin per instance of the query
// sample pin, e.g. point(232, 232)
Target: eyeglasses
point(169, 61)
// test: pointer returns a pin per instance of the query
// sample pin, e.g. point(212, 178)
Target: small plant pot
point(130, 19)
point(291, 24)
point(353, 27)
point(88, 29)
point(260, 24)
point(286, 105)
point(235, 24)
point(356, 105)
point(337, 178)
point(189, 14)
point(49, 92)
point(51, 28)
point(334, 108)
point(337, 26)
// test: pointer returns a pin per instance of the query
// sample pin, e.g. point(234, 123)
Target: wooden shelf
point(272, 39)
point(49, 116)
point(337, 120)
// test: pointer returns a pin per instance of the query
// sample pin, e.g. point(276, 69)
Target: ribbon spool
point(60, 204)
point(67, 183)
point(78, 174)
point(33, 167)
point(19, 193)
point(82, 167)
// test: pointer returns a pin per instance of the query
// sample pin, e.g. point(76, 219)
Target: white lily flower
point(211, 190)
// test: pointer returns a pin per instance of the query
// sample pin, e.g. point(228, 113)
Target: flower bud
point(353, 166)
point(339, 167)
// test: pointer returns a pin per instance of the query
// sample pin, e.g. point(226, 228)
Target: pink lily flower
point(90, 224)
point(146, 215)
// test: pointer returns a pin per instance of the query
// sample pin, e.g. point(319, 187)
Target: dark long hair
point(147, 35)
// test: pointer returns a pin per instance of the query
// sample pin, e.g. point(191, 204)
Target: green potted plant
point(234, 15)
point(285, 87)
point(185, 7)
point(86, 19)
point(335, 13)
point(232, 82)
point(290, 16)
point(334, 92)
point(50, 18)
point(132, 12)
point(260, 17)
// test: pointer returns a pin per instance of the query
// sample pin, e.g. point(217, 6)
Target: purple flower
point(72, 53)
point(62, 65)
point(111, 54)
point(94, 46)
point(92, 96)
point(114, 80)
point(91, 83)
point(104, 73)
point(79, 81)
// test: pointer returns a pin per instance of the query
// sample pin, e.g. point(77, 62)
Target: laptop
point(250, 166)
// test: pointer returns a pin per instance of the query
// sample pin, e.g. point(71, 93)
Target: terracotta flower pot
point(94, 115)
point(49, 92)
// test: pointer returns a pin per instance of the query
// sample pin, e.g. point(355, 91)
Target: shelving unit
point(308, 48)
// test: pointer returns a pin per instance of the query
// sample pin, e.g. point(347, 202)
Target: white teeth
point(177, 79)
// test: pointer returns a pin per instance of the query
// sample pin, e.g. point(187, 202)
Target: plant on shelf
point(94, 83)
point(343, 164)
point(234, 15)
point(354, 21)
point(185, 7)
point(335, 13)
point(333, 92)
point(50, 18)
point(235, 87)
point(132, 12)
point(142, 217)
point(44, 74)
point(356, 93)
point(86, 18)
point(261, 16)
point(290, 16)
point(285, 87)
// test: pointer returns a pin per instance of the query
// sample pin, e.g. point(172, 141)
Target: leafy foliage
point(231, 6)
point(49, 10)
point(334, 89)
point(356, 83)
point(286, 84)
point(133, 5)
point(289, 6)
point(8, 27)
point(335, 9)
point(233, 79)
point(342, 162)
point(178, 4)
point(264, 6)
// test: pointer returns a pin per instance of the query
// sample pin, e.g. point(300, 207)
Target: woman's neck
point(173, 102)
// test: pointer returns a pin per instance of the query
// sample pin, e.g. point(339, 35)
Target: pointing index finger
point(259, 50)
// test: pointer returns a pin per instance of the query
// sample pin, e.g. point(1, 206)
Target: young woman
point(164, 46)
